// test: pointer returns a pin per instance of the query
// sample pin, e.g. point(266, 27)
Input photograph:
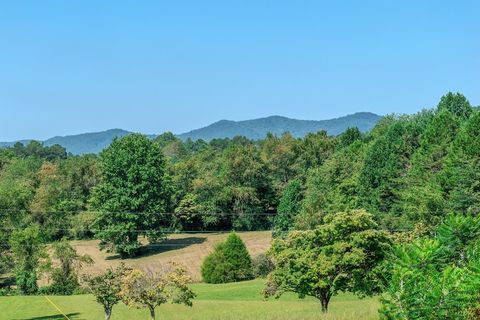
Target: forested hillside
point(408, 171)
point(258, 128)
point(85, 143)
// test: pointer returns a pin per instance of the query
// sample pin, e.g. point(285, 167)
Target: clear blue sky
point(77, 66)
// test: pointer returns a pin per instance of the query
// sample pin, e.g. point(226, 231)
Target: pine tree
point(230, 262)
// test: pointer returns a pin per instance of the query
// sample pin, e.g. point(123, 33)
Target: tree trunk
point(324, 300)
point(152, 313)
point(108, 313)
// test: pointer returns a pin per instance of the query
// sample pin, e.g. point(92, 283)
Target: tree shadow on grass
point(72, 316)
point(165, 246)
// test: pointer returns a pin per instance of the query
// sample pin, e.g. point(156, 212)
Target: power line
point(143, 213)
point(136, 230)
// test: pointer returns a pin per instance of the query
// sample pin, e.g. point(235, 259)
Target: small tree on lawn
point(149, 290)
point(106, 288)
point(342, 254)
point(229, 262)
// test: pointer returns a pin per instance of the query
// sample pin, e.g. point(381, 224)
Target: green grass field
point(224, 301)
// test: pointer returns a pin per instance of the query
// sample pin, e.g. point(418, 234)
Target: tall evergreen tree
point(386, 163)
point(457, 104)
point(461, 177)
point(288, 208)
point(422, 200)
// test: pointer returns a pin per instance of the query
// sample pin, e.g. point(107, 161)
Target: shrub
point(9, 292)
point(262, 265)
point(230, 262)
point(27, 251)
point(45, 291)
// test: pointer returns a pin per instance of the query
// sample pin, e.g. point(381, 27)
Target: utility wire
point(144, 213)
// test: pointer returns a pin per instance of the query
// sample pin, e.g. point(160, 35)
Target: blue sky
point(68, 67)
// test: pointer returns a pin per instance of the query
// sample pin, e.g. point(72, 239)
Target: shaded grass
point(221, 301)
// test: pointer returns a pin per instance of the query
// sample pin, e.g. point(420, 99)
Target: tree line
point(409, 172)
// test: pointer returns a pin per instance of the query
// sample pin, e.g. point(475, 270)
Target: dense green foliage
point(288, 208)
point(132, 195)
point(229, 262)
point(436, 278)
point(342, 254)
point(27, 251)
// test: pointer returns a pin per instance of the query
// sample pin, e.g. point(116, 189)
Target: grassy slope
point(226, 301)
point(188, 249)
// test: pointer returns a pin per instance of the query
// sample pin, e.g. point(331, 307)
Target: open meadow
point(189, 249)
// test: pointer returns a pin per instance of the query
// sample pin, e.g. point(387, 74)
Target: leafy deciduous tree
point(27, 251)
point(144, 289)
point(133, 194)
point(107, 287)
point(341, 254)
point(288, 207)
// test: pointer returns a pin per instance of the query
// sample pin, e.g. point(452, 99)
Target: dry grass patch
point(188, 249)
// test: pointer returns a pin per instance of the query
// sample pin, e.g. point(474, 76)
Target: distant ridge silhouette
point(95, 142)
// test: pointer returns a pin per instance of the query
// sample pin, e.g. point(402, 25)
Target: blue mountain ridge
point(94, 142)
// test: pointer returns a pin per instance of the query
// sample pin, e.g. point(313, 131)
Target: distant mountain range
point(254, 129)
point(258, 128)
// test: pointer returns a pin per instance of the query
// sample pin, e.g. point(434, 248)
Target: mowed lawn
point(222, 301)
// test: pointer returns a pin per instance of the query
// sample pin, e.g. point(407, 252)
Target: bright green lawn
point(225, 301)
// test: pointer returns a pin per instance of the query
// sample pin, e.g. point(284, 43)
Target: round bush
point(230, 262)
